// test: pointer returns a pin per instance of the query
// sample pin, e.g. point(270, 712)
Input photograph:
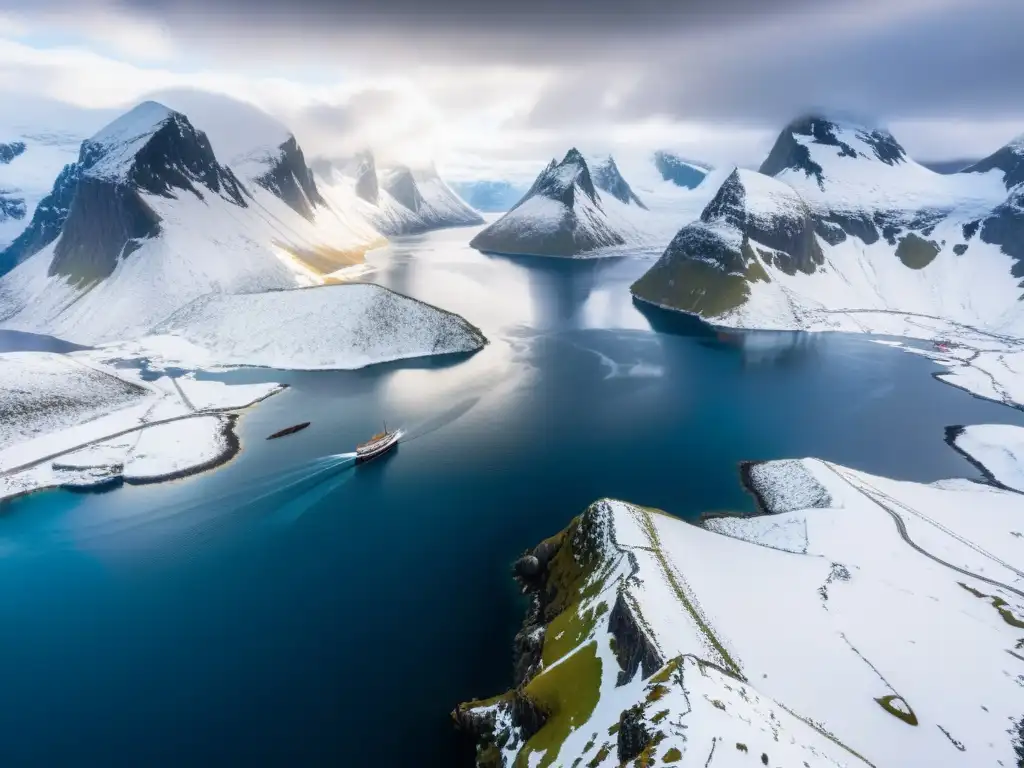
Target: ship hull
point(362, 458)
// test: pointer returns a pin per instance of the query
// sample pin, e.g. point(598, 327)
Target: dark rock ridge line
point(577, 226)
point(1008, 159)
point(711, 265)
point(10, 151)
point(608, 178)
point(46, 222)
point(290, 179)
point(549, 574)
point(108, 219)
point(789, 153)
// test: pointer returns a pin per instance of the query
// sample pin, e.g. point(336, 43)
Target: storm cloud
point(538, 72)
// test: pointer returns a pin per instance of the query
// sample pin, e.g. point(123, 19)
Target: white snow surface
point(999, 448)
point(42, 392)
point(329, 327)
point(795, 631)
point(867, 182)
point(121, 140)
point(79, 411)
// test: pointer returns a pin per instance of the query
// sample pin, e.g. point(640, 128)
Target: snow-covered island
point(859, 621)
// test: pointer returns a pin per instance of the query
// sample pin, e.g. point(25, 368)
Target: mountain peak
point(1009, 159)
point(812, 142)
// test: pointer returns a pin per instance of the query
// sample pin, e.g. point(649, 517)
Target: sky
point(495, 90)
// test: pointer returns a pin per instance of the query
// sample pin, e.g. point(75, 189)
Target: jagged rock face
point(47, 221)
point(789, 153)
point(677, 170)
point(632, 737)
point(100, 214)
point(401, 185)
point(367, 186)
point(106, 223)
point(608, 179)
point(559, 181)
point(788, 231)
point(177, 157)
point(709, 265)
point(1009, 160)
point(1005, 228)
point(10, 151)
point(290, 179)
point(11, 207)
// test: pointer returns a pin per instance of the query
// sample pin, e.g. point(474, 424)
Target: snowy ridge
point(118, 143)
point(667, 651)
point(328, 327)
point(849, 234)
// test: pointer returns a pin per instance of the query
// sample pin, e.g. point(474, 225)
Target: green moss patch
point(999, 604)
point(898, 707)
point(568, 693)
point(652, 534)
point(916, 252)
point(673, 755)
point(695, 287)
point(601, 756)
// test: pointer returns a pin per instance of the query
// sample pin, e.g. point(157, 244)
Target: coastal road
point(136, 428)
point(901, 527)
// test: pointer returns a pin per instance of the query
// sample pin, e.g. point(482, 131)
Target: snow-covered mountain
point(681, 172)
point(398, 200)
point(562, 214)
point(149, 218)
point(489, 196)
point(840, 223)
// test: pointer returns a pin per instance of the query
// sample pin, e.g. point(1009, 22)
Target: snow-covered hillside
point(840, 228)
point(328, 327)
point(398, 200)
point(150, 219)
point(73, 421)
point(863, 622)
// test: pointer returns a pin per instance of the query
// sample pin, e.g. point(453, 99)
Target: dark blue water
point(288, 609)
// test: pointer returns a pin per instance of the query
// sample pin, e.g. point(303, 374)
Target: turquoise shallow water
point(289, 608)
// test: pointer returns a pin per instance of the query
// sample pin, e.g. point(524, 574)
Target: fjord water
point(289, 608)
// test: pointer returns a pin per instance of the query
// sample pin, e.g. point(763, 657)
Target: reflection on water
point(19, 341)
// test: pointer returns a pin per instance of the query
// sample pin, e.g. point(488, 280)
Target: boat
point(379, 444)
